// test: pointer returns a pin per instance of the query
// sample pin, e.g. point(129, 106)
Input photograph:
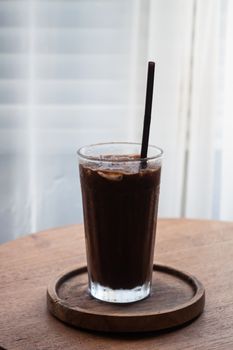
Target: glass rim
point(107, 160)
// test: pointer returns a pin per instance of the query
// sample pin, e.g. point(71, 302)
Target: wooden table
point(203, 248)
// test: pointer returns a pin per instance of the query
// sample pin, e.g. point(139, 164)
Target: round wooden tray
point(176, 298)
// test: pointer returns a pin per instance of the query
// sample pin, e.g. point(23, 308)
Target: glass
point(120, 195)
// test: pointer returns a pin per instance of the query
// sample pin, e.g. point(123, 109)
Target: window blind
point(64, 82)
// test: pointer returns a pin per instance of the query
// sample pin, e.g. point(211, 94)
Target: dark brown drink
point(120, 200)
point(120, 220)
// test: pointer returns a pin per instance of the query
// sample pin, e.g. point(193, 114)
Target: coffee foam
point(116, 171)
point(113, 167)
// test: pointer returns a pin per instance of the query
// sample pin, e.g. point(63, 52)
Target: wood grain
point(176, 298)
point(203, 248)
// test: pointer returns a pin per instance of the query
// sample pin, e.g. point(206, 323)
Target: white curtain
point(73, 72)
point(226, 189)
point(170, 43)
point(193, 105)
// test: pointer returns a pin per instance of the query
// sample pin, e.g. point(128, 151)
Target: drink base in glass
point(119, 295)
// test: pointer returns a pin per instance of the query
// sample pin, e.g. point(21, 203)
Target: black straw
point(148, 107)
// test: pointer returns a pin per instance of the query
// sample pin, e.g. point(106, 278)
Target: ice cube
point(111, 176)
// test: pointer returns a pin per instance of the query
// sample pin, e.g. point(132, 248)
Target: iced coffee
point(120, 201)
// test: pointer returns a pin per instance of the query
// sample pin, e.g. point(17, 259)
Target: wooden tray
point(176, 298)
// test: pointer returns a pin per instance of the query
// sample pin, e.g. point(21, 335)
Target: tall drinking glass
point(120, 195)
